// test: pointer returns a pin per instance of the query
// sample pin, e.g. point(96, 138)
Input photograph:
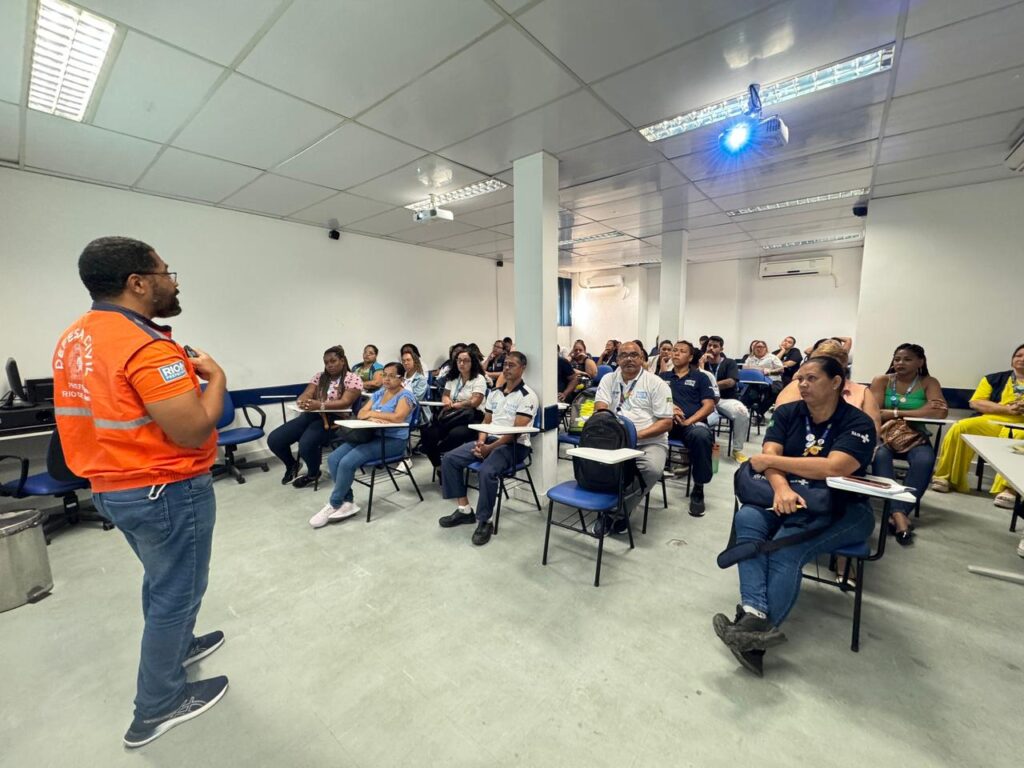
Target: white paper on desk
point(893, 489)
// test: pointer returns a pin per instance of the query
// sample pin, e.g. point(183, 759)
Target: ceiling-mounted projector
point(433, 213)
point(753, 130)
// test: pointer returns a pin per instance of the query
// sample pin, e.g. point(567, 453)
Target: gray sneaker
point(199, 697)
point(748, 632)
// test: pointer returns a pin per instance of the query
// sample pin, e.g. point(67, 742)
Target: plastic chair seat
point(44, 484)
point(859, 550)
point(571, 495)
point(239, 435)
point(567, 439)
point(386, 460)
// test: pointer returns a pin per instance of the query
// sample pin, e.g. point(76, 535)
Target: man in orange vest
point(134, 422)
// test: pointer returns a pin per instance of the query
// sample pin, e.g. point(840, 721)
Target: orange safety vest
point(106, 432)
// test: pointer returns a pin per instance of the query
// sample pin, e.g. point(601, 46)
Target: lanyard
point(459, 384)
point(624, 396)
point(896, 396)
point(814, 445)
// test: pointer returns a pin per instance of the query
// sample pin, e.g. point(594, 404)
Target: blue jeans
point(172, 536)
point(771, 582)
point(307, 429)
point(347, 458)
point(922, 462)
point(499, 462)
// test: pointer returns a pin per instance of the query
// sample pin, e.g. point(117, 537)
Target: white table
point(495, 429)
point(605, 455)
point(295, 407)
point(996, 451)
point(282, 399)
point(23, 435)
point(940, 423)
point(1013, 426)
point(562, 406)
point(433, 403)
point(367, 424)
point(867, 490)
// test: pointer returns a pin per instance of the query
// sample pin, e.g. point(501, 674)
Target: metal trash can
point(24, 565)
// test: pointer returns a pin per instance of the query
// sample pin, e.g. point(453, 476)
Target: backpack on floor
point(580, 409)
point(603, 430)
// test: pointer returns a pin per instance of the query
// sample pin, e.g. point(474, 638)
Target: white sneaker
point(940, 485)
point(345, 511)
point(319, 520)
point(1005, 500)
point(1020, 547)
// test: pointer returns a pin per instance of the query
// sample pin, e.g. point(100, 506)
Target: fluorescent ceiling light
point(590, 238)
point(871, 63)
point(800, 201)
point(70, 47)
point(814, 241)
point(473, 190)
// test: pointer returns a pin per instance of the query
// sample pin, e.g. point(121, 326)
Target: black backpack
point(603, 430)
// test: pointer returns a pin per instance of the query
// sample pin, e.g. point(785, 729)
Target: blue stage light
point(736, 137)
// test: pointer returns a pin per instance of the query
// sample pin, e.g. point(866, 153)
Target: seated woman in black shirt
point(819, 436)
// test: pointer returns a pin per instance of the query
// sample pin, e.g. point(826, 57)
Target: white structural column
point(535, 207)
point(673, 284)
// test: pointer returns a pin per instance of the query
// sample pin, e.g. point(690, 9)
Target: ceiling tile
point(13, 21)
point(796, 190)
point(84, 151)
point(153, 89)
point(251, 124)
point(505, 247)
point(945, 181)
point(513, 5)
point(686, 198)
point(608, 157)
point(417, 180)
point(504, 229)
point(489, 217)
point(951, 54)
point(479, 202)
point(701, 237)
point(10, 130)
point(652, 178)
point(340, 210)
point(277, 195)
point(791, 229)
point(991, 129)
point(926, 15)
point(217, 31)
point(349, 156)
point(827, 211)
point(569, 122)
point(598, 37)
point(949, 162)
point(473, 91)
point(184, 174)
point(386, 223)
point(784, 40)
point(348, 56)
point(802, 168)
point(435, 231)
point(582, 228)
point(812, 232)
point(960, 101)
point(469, 239)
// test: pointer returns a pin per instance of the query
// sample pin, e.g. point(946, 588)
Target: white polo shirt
point(643, 401)
point(503, 408)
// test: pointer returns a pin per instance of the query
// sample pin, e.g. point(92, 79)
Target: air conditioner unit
point(602, 281)
point(1015, 160)
point(810, 265)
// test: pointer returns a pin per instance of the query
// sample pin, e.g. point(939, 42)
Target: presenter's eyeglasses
point(172, 275)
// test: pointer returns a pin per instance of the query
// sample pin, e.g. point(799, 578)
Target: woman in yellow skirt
point(999, 397)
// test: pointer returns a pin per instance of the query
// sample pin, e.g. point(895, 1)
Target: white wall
point(808, 307)
point(263, 296)
point(944, 270)
point(712, 302)
point(599, 314)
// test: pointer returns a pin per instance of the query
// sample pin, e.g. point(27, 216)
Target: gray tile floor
point(400, 644)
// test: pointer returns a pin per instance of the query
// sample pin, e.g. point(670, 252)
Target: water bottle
point(716, 453)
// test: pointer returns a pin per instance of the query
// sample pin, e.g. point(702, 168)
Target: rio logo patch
point(173, 371)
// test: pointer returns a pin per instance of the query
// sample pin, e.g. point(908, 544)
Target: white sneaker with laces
point(319, 520)
point(1005, 500)
point(345, 511)
point(1020, 547)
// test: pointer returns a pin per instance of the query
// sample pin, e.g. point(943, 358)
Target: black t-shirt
point(689, 391)
point(796, 357)
point(565, 372)
point(849, 430)
point(726, 368)
point(496, 365)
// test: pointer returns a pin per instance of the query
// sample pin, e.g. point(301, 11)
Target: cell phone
point(190, 352)
point(865, 481)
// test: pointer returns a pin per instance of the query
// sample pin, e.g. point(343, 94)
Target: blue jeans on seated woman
point(922, 461)
point(771, 582)
point(347, 458)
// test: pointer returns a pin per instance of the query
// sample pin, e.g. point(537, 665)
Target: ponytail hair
point(917, 351)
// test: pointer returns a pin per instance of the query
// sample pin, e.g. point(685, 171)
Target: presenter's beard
point(168, 306)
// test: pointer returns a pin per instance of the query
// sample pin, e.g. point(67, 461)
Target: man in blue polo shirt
point(693, 399)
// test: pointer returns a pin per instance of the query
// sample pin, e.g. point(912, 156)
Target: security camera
point(334, 234)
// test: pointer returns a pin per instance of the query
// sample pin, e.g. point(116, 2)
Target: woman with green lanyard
point(463, 396)
point(907, 389)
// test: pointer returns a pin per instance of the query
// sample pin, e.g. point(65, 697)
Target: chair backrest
point(601, 371)
point(753, 374)
point(630, 431)
point(228, 414)
point(56, 464)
